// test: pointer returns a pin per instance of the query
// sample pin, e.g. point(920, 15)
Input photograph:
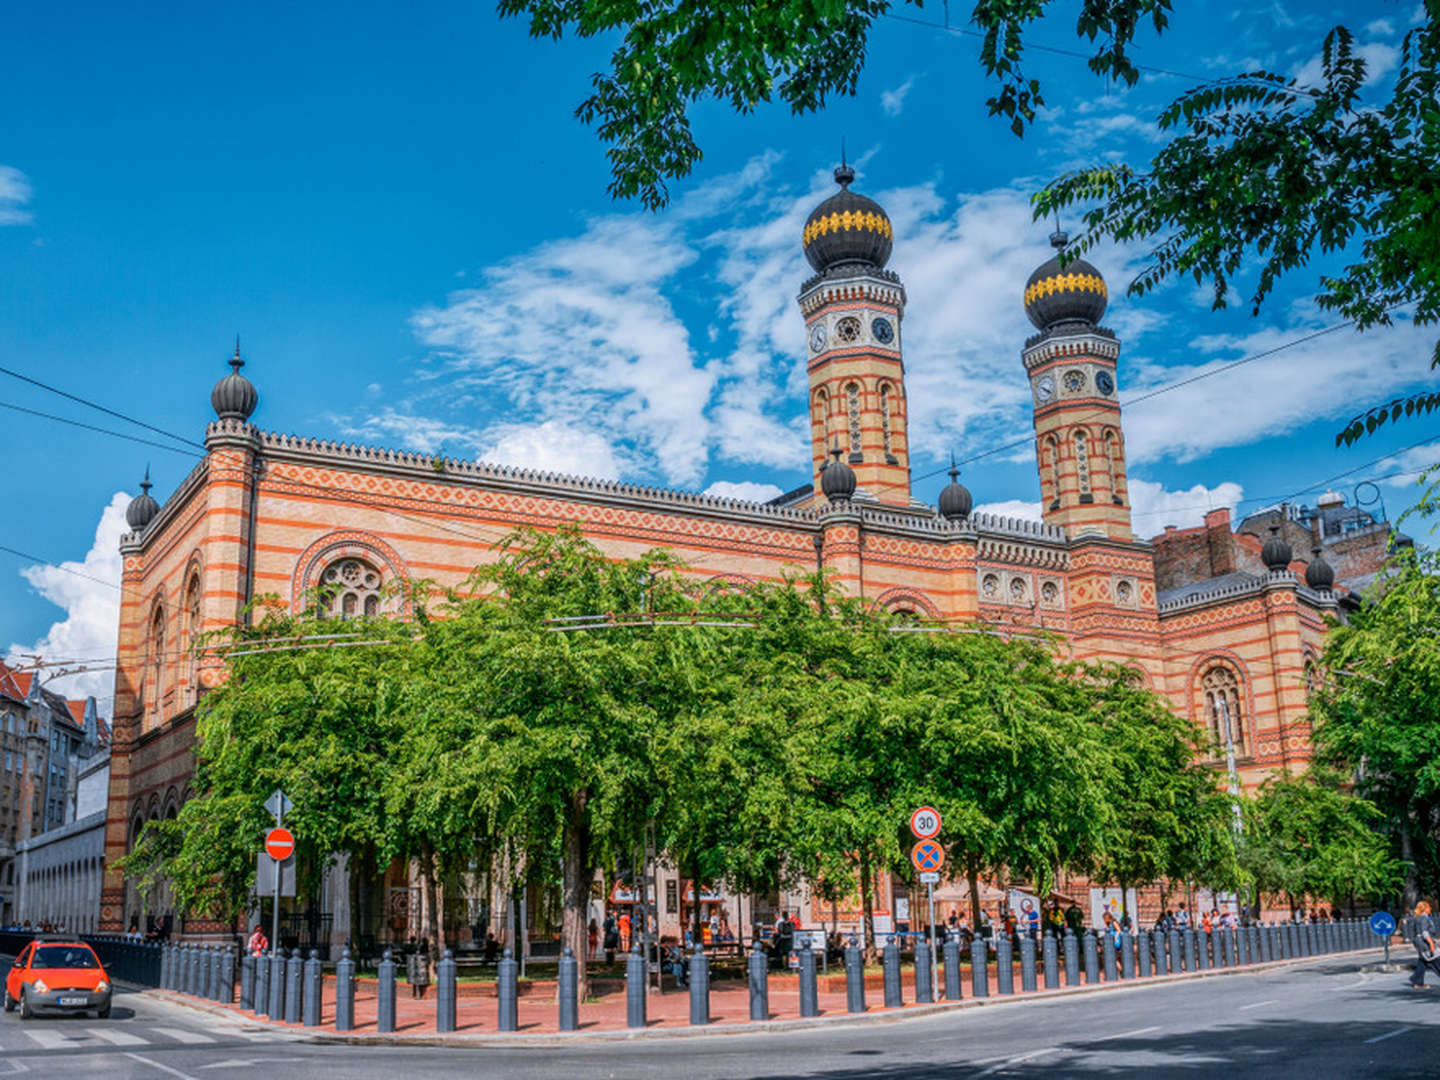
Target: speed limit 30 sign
point(925, 823)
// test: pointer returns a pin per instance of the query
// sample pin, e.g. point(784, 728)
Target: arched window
point(157, 663)
point(1223, 710)
point(1050, 470)
point(885, 415)
point(1115, 466)
point(1082, 461)
point(192, 637)
point(350, 587)
point(820, 423)
point(852, 403)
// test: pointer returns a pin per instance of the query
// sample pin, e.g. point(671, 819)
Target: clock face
point(817, 337)
point(1075, 381)
point(1104, 383)
point(883, 331)
point(1045, 389)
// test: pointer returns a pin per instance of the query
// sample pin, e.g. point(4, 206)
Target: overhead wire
point(101, 408)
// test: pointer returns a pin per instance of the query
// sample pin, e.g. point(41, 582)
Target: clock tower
point(1079, 444)
point(853, 307)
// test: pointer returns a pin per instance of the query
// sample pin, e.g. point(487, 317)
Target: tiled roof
point(77, 710)
point(1224, 583)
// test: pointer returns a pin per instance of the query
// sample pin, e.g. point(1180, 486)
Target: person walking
point(417, 970)
point(258, 942)
point(593, 940)
point(1426, 956)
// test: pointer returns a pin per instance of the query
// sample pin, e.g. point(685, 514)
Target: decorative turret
point(847, 228)
point(1276, 553)
point(234, 398)
point(1319, 575)
point(837, 480)
point(1073, 293)
point(955, 502)
point(143, 507)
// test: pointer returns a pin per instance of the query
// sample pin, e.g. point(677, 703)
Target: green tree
point(1374, 711)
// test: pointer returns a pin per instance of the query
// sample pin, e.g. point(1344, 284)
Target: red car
point(59, 975)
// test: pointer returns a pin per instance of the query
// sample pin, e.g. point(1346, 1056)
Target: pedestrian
point(611, 936)
point(1426, 956)
point(1074, 918)
point(675, 964)
point(1182, 918)
point(625, 931)
point(593, 940)
point(417, 970)
point(258, 943)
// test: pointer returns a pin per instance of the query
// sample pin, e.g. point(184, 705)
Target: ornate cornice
point(878, 286)
point(1094, 341)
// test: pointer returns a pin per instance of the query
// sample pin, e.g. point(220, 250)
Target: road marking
point(156, 1065)
point(49, 1040)
point(1255, 1005)
point(1018, 1059)
point(1389, 1035)
point(194, 1038)
point(117, 1038)
point(1127, 1034)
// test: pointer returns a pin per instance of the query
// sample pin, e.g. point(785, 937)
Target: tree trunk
point(430, 928)
point(1407, 856)
point(577, 873)
point(972, 877)
point(695, 930)
point(867, 909)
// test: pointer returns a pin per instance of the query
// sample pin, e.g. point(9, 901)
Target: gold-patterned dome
point(1073, 293)
point(847, 228)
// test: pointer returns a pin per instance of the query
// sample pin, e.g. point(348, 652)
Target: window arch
point(350, 588)
point(1050, 470)
point(192, 637)
point(1115, 465)
point(1082, 460)
point(820, 422)
point(156, 665)
point(885, 400)
point(1224, 709)
point(852, 405)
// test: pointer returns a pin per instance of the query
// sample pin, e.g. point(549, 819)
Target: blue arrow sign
point(1382, 923)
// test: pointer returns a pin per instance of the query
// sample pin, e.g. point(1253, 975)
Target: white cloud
point(1011, 508)
point(553, 446)
point(893, 101)
point(1379, 59)
point(15, 192)
point(747, 490)
point(92, 609)
point(1153, 506)
point(1380, 28)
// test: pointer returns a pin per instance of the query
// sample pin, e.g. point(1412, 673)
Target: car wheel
point(103, 1014)
point(9, 1001)
point(26, 1012)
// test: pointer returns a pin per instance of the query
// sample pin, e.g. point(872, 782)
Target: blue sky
point(400, 216)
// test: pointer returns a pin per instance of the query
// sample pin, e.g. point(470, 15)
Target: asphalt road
point(1323, 1019)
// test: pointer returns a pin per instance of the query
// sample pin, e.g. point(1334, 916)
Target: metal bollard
point(700, 986)
point(294, 974)
point(313, 985)
point(979, 967)
point(952, 966)
point(890, 965)
point(165, 967)
point(1232, 947)
point(758, 979)
point(809, 990)
point(186, 969)
point(923, 961)
point(1162, 962)
point(1088, 948)
point(226, 994)
point(1050, 960)
point(1221, 944)
point(1127, 955)
point(1004, 963)
point(1207, 945)
point(507, 992)
point(385, 995)
point(1072, 958)
point(1242, 946)
point(635, 988)
point(1267, 943)
point(1027, 962)
point(275, 1007)
point(172, 975)
point(1191, 944)
point(345, 993)
point(567, 989)
point(1142, 954)
point(195, 968)
point(262, 985)
point(1287, 941)
point(212, 973)
point(1107, 952)
point(247, 981)
point(854, 978)
point(445, 991)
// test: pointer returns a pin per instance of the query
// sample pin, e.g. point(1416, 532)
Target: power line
point(58, 566)
point(102, 408)
point(102, 431)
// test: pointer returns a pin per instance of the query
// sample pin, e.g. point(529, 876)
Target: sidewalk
point(668, 1014)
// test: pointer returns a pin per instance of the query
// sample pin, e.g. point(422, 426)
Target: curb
point(881, 1016)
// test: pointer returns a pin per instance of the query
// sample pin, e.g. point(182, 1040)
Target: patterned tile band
point(848, 219)
point(1065, 283)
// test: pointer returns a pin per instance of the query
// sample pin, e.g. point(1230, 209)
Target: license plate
point(75, 1001)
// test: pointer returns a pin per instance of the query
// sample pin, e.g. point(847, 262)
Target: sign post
point(278, 839)
point(928, 856)
point(1382, 924)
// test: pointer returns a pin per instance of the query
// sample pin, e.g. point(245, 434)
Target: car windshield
point(64, 956)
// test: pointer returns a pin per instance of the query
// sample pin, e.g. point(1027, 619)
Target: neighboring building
point(43, 740)
point(61, 869)
point(1223, 625)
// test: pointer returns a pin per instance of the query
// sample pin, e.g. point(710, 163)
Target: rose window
point(351, 587)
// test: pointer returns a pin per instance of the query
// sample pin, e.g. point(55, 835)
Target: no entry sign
point(279, 844)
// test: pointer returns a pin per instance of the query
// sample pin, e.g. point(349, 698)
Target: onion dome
point(1073, 293)
point(955, 501)
point(143, 507)
point(1276, 552)
point(837, 480)
point(847, 228)
point(234, 398)
point(1319, 575)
